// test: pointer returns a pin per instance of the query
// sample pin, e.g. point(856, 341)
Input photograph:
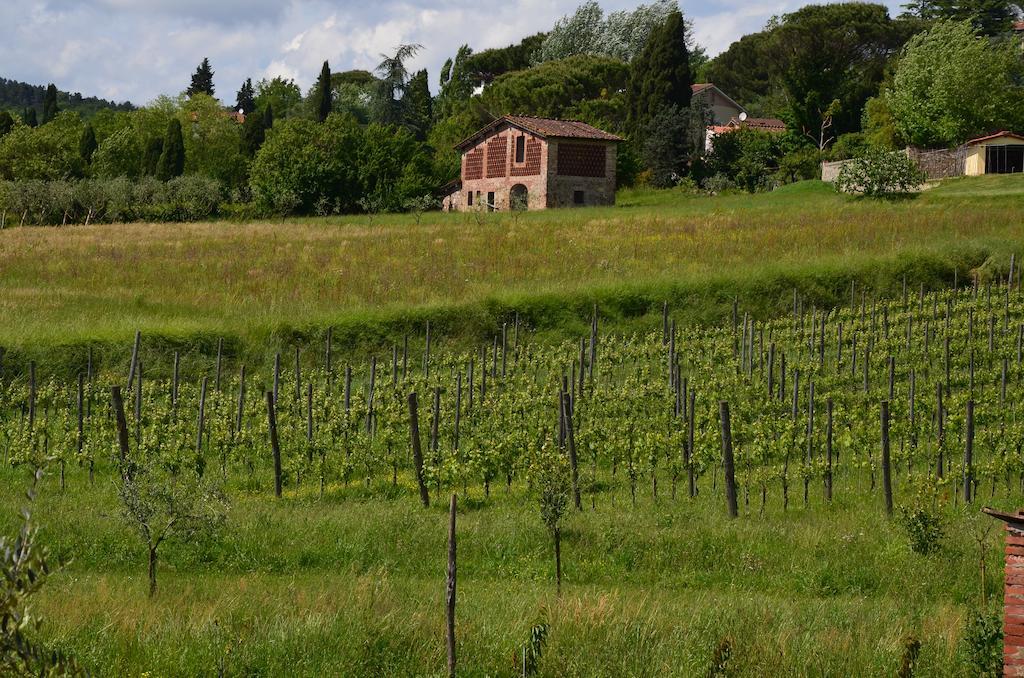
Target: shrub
point(880, 173)
point(799, 166)
point(981, 646)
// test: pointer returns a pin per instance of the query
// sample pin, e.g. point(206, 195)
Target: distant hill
point(17, 96)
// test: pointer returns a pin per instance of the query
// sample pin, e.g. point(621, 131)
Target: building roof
point(1018, 25)
point(766, 124)
point(997, 135)
point(546, 128)
point(699, 87)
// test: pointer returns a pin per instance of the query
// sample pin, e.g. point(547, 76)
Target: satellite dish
point(743, 116)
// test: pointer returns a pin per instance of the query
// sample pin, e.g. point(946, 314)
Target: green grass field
point(354, 583)
point(371, 279)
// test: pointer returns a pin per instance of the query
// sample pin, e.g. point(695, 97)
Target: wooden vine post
point(886, 471)
point(417, 452)
point(274, 444)
point(727, 460)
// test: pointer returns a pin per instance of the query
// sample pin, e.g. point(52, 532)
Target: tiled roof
point(997, 135)
point(1018, 25)
point(769, 124)
point(699, 87)
point(543, 127)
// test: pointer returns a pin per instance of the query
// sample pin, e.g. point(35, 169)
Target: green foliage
point(212, 141)
point(87, 145)
point(850, 145)
point(15, 95)
point(981, 645)
point(25, 567)
point(879, 127)
point(456, 83)
point(172, 155)
point(622, 35)
point(202, 80)
point(989, 17)
point(836, 52)
point(799, 165)
point(745, 71)
point(302, 163)
point(254, 133)
point(534, 648)
point(481, 68)
point(119, 199)
point(880, 173)
point(553, 88)
point(47, 152)
point(666, 147)
point(245, 100)
point(151, 156)
point(923, 521)
point(29, 117)
point(119, 155)
point(746, 158)
point(50, 108)
point(322, 93)
point(418, 105)
point(951, 85)
point(7, 123)
point(280, 95)
point(393, 83)
point(660, 76)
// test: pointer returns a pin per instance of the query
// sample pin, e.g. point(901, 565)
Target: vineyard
point(862, 440)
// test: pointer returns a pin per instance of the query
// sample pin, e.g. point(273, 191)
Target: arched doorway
point(518, 198)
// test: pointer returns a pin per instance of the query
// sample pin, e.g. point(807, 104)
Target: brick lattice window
point(581, 160)
point(532, 166)
point(496, 157)
point(475, 164)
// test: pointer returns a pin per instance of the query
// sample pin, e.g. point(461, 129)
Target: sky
point(138, 49)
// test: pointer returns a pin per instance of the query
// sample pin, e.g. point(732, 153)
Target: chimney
point(1013, 592)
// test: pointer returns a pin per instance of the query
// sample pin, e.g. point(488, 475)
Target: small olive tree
point(24, 568)
point(551, 483)
point(880, 173)
point(169, 502)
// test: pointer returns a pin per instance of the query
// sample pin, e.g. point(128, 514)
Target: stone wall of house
point(490, 167)
point(582, 173)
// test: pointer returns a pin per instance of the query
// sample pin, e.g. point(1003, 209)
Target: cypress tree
point(660, 76)
point(245, 100)
point(87, 144)
point(172, 158)
point(322, 92)
point(418, 110)
point(151, 156)
point(253, 133)
point(50, 108)
point(268, 117)
point(29, 117)
point(202, 79)
point(6, 123)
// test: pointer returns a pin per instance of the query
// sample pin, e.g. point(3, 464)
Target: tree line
point(843, 77)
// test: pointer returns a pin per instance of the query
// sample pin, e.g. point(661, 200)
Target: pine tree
point(322, 93)
point(172, 157)
point(202, 79)
point(660, 76)
point(29, 117)
point(50, 108)
point(87, 144)
point(245, 100)
point(151, 156)
point(418, 105)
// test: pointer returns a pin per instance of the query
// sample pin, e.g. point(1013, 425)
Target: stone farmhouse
point(522, 162)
